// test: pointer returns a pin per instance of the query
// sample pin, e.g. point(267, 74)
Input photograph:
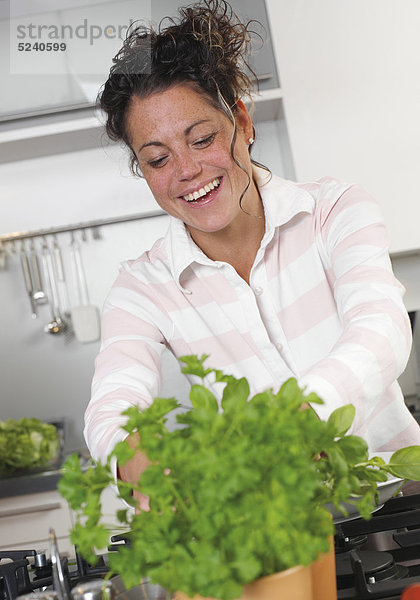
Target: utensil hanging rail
point(22, 235)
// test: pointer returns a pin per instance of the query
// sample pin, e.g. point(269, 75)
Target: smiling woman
point(183, 152)
point(272, 279)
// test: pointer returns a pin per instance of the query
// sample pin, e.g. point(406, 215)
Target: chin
point(208, 228)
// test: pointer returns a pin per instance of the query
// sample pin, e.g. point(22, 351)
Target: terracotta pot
point(324, 584)
point(292, 584)
point(316, 582)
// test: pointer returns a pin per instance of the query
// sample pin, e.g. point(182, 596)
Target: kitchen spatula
point(85, 316)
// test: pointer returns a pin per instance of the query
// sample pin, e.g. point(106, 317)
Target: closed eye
point(203, 142)
point(157, 162)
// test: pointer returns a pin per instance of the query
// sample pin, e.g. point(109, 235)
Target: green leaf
point(125, 491)
point(122, 515)
point(90, 539)
point(405, 463)
point(235, 395)
point(367, 474)
point(313, 398)
point(342, 418)
point(220, 376)
point(354, 448)
point(377, 461)
point(201, 397)
point(72, 491)
point(123, 452)
point(247, 566)
point(194, 365)
point(290, 392)
point(154, 414)
point(337, 461)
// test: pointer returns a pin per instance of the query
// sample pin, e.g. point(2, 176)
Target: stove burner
point(377, 566)
point(344, 544)
point(14, 575)
point(40, 560)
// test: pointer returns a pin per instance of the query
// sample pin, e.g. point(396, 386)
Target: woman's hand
point(132, 470)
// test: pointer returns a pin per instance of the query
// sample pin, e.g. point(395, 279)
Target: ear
point(244, 121)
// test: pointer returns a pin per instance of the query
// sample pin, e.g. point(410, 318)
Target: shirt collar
point(282, 200)
point(182, 251)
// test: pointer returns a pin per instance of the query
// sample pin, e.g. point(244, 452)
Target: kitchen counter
point(38, 480)
point(30, 482)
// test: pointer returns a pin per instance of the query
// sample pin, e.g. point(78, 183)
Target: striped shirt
point(322, 305)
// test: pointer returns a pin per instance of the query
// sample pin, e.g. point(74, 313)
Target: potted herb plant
point(237, 496)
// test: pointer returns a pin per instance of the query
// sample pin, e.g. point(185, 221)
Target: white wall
point(349, 71)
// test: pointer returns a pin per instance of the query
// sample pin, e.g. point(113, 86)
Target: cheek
point(157, 184)
point(240, 152)
point(220, 156)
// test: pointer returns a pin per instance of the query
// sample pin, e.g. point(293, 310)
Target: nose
point(187, 165)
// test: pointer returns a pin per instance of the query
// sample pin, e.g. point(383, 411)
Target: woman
point(271, 278)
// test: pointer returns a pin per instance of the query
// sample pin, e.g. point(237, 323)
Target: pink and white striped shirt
point(322, 305)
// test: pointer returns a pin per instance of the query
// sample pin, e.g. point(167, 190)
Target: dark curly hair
point(206, 46)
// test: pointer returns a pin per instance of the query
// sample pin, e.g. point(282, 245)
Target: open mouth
point(202, 193)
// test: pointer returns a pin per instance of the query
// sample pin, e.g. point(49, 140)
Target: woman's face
point(183, 145)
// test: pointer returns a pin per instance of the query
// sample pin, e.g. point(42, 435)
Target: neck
point(238, 243)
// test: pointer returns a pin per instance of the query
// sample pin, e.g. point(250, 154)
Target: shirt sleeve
point(128, 366)
point(364, 364)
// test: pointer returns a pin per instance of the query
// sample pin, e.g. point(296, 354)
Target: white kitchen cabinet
point(25, 521)
point(82, 129)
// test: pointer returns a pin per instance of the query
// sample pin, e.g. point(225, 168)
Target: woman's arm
point(132, 470)
point(363, 366)
point(127, 368)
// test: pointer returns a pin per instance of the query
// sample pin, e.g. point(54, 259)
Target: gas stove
point(379, 558)
point(23, 572)
point(376, 559)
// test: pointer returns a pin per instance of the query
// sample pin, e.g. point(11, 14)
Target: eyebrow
point(187, 131)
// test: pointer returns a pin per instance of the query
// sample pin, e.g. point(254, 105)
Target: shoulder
point(151, 267)
point(326, 189)
point(155, 256)
point(334, 197)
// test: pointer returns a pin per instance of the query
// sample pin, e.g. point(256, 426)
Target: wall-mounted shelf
point(82, 130)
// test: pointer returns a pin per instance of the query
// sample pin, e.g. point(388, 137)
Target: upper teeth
point(202, 191)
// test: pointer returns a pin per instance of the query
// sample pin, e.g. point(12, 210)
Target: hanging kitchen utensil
point(28, 278)
point(57, 323)
point(64, 301)
point(85, 316)
point(3, 256)
point(38, 293)
point(96, 233)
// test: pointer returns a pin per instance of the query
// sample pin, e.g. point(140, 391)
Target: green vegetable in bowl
point(235, 494)
point(26, 444)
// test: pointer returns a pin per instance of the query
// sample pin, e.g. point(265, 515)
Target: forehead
point(169, 111)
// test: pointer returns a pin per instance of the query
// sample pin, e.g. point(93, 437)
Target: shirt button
point(258, 291)
point(279, 346)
